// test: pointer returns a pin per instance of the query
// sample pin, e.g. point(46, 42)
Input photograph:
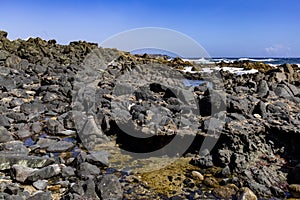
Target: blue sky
point(225, 28)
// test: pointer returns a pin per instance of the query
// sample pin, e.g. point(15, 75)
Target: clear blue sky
point(225, 28)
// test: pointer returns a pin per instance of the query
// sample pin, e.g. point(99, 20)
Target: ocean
point(270, 61)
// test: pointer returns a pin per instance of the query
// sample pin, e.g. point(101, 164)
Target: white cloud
point(278, 50)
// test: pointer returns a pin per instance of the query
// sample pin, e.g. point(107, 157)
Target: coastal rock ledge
point(66, 112)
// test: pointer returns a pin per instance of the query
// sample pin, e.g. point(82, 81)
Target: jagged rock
point(91, 135)
point(8, 160)
point(40, 184)
point(86, 169)
point(45, 173)
point(14, 147)
point(67, 172)
point(4, 121)
point(98, 158)
point(40, 195)
point(5, 136)
point(60, 146)
point(109, 187)
point(21, 172)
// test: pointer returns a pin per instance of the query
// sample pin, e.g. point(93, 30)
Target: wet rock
point(204, 160)
point(60, 146)
point(40, 184)
point(225, 192)
point(109, 187)
point(198, 175)
point(210, 182)
point(21, 172)
point(45, 173)
point(246, 194)
point(86, 170)
point(5, 136)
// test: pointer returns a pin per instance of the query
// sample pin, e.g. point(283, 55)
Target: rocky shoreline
point(67, 111)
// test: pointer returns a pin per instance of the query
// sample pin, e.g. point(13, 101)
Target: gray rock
point(283, 91)
point(98, 158)
point(8, 83)
point(109, 187)
point(89, 190)
point(17, 117)
point(39, 195)
point(40, 184)
point(260, 109)
point(60, 146)
point(259, 189)
point(3, 55)
point(226, 171)
point(67, 172)
point(14, 147)
point(54, 126)
point(35, 107)
point(36, 127)
point(21, 172)
point(45, 173)
point(23, 134)
point(4, 121)
point(7, 160)
point(5, 136)
point(91, 135)
point(213, 124)
point(45, 142)
point(86, 169)
point(204, 160)
point(263, 88)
